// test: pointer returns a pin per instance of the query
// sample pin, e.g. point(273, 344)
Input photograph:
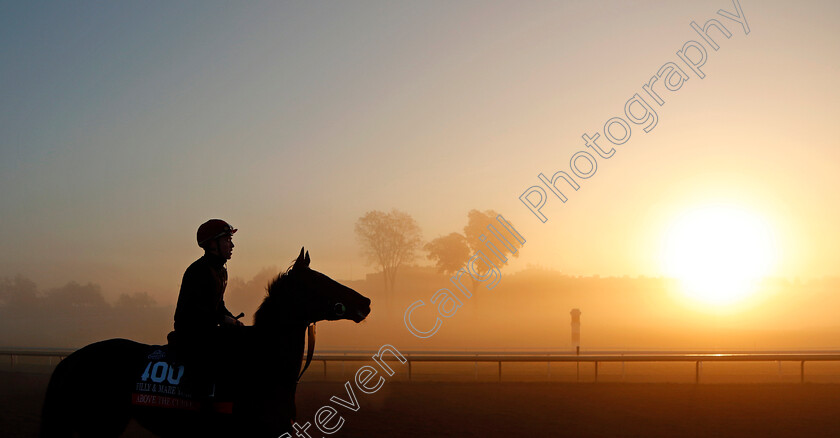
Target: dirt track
point(531, 409)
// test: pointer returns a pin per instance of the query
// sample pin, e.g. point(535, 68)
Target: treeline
point(392, 241)
point(76, 314)
point(21, 293)
point(529, 310)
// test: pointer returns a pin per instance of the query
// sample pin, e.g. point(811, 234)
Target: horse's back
point(89, 391)
point(96, 390)
point(96, 364)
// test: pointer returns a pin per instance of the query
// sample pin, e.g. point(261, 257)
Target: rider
point(201, 306)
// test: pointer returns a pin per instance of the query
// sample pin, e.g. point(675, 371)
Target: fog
point(528, 310)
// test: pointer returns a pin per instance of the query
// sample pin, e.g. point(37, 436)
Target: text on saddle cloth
point(160, 385)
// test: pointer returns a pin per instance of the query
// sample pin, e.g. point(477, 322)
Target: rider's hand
point(229, 320)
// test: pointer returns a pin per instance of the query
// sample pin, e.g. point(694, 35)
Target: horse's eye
point(339, 309)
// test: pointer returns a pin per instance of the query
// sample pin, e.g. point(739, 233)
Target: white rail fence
point(500, 358)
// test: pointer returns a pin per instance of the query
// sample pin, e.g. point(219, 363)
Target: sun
point(718, 252)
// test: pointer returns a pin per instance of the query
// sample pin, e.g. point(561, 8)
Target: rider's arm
point(225, 316)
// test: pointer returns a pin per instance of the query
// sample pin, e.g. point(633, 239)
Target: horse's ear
point(302, 260)
point(299, 262)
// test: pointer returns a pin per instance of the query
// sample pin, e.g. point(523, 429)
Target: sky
point(126, 125)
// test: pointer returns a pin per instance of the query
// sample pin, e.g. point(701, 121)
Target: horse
point(93, 392)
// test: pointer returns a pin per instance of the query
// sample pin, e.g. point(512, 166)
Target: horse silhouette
point(94, 391)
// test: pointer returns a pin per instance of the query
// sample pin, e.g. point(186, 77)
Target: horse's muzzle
point(362, 312)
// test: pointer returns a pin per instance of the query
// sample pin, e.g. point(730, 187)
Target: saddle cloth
point(161, 384)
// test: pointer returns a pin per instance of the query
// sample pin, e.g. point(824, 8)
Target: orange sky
point(126, 126)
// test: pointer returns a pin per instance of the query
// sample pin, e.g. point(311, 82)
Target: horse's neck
point(294, 338)
point(283, 344)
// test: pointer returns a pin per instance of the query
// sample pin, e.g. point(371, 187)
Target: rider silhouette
point(201, 306)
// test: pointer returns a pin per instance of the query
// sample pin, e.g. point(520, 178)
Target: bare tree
point(388, 241)
point(449, 252)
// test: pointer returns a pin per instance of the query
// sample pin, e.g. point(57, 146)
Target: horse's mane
point(276, 290)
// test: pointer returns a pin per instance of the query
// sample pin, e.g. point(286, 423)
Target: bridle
point(338, 309)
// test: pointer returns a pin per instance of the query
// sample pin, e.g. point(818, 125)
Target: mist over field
point(528, 310)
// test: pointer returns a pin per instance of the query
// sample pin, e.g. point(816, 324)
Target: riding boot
point(207, 399)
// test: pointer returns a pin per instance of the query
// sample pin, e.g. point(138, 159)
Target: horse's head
point(303, 295)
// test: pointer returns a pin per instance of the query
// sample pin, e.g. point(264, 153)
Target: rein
point(310, 334)
point(310, 348)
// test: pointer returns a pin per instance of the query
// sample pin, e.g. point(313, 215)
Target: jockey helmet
point(213, 229)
